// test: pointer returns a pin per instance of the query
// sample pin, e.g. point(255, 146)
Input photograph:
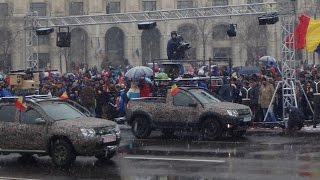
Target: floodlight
point(44, 31)
point(147, 25)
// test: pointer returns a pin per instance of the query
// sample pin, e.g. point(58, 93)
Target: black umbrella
point(138, 72)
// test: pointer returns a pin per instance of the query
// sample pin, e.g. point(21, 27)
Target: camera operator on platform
point(176, 47)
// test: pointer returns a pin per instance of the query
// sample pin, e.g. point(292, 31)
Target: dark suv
point(61, 129)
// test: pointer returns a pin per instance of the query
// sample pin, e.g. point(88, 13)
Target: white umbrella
point(139, 71)
point(269, 60)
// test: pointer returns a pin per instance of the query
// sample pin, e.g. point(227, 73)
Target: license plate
point(109, 138)
point(247, 119)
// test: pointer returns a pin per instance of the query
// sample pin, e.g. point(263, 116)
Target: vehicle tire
point(141, 127)
point(167, 132)
point(238, 133)
point(103, 157)
point(211, 129)
point(62, 153)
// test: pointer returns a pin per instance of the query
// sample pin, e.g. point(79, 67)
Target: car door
point(33, 130)
point(185, 109)
point(8, 124)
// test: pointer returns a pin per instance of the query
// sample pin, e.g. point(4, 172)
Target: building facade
point(122, 44)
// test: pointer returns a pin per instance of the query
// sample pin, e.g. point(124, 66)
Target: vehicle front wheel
point(62, 153)
point(211, 129)
point(141, 127)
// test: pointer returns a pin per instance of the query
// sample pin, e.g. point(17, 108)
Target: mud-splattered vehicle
point(54, 127)
point(191, 107)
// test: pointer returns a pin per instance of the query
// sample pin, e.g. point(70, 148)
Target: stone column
point(58, 8)
point(96, 7)
point(20, 8)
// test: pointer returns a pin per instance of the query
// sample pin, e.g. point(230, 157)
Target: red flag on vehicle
point(21, 103)
point(174, 90)
point(64, 96)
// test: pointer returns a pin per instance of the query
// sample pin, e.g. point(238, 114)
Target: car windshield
point(60, 111)
point(203, 96)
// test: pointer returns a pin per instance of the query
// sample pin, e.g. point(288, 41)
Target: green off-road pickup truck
point(191, 107)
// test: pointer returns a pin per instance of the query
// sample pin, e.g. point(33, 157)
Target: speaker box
point(63, 39)
point(232, 32)
point(147, 25)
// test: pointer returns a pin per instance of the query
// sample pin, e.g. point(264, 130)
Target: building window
point(76, 8)
point(254, 1)
point(222, 53)
point(43, 60)
point(220, 2)
point(220, 32)
point(149, 5)
point(184, 4)
point(4, 9)
point(40, 8)
point(113, 7)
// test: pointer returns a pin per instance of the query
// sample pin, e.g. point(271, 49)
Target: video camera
point(182, 44)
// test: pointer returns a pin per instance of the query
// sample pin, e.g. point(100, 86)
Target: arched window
point(189, 33)
point(78, 48)
point(114, 40)
point(220, 32)
point(150, 43)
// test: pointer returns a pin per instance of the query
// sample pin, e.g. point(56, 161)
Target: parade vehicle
point(62, 129)
point(187, 108)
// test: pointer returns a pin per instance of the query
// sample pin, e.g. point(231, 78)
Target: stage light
point(44, 31)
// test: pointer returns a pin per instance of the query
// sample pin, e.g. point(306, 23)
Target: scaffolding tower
point(286, 13)
point(31, 42)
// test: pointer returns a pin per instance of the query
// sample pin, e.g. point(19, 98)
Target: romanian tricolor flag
point(64, 96)
point(307, 34)
point(174, 90)
point(21, 103)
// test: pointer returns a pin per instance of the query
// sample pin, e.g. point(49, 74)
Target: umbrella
point(139, 72)
point(268, 60)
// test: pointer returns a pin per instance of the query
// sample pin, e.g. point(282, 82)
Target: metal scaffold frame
point(287, 21)
point(288, 64)
point(162, 15)
point(31, 42)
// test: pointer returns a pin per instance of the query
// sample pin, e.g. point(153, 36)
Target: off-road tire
point(103, 157)
point(211, 129)
point(167, 132)
point(62, 153)
point(238, 134)
point(141, 127)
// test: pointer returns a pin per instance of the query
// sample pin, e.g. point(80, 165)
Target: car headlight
point(117, 128)
point(233, 113)
point(88, 132)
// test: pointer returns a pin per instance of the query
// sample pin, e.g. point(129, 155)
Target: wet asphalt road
point(187, 158)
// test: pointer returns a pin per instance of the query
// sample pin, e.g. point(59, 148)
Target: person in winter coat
point(225, 92)
point(134, 91)
point(87, 97)
point(265, 96)
point(254, 100)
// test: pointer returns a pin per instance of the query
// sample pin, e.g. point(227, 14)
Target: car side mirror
point(40, 121)
point(193, 104)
